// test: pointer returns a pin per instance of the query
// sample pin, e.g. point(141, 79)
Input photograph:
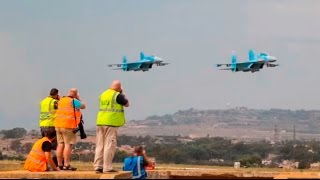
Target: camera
point(76, 130)
point(80, 128)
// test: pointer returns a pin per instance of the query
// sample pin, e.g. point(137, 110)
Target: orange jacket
point(67, 115)
point(36, 160)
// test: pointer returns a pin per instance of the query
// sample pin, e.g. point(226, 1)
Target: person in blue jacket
point(137, 163)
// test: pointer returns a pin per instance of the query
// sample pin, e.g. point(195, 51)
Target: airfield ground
point(12, 169)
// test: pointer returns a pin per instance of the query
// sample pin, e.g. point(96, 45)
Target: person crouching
point(137, 163)
point(40, 157)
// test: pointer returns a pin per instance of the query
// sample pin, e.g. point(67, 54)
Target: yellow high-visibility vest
point(110, 113)
point(47, 112)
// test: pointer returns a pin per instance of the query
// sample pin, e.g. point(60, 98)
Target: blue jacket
point(135, 164)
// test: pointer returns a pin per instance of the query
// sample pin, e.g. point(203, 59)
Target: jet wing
point(146, 63)
point(226, 69)
point(116, 69)
point(115, 65)
point(240, 64)
point(120, 65)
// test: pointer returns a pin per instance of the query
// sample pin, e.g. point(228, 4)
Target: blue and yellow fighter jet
point(254, 64)
point(144, 64)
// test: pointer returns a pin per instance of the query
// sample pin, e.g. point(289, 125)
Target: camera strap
point(74, 112)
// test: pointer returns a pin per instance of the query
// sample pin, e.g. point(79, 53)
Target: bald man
point(68, 118)
point(110, 118)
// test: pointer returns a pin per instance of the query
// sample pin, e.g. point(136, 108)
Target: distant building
point(9, 153)
point(185, 140)
point(287, 164)
point(266, 162)
point(315, 165)
point(216, 160)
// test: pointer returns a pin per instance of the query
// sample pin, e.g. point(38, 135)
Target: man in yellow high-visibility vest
point(110, 118)
point(48, 108)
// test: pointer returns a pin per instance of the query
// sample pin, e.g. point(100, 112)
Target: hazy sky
point(64, 44)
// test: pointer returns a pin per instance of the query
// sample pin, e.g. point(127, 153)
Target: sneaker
point(98, 171)
point(60, 167)
point(69, 168)
point(110, 171)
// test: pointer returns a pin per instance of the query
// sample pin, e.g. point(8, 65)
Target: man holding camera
point(110, 118)
point(67, 120)
point(48, 108)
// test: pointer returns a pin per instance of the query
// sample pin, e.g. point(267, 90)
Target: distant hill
point(255, 122)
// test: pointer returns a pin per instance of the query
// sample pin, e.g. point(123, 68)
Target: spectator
point(110, 118)
point(137, 163)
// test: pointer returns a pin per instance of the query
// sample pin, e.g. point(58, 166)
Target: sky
point(65, 44)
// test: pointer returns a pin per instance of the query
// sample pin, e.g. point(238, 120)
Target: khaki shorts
point(66, 136)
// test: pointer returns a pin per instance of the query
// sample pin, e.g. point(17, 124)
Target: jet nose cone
point(158, 58)
point(272, 59)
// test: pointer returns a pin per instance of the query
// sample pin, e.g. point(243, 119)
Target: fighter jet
point(144, 64)
point(254, 64)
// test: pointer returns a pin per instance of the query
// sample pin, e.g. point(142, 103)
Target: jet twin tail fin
point(142, 56)
point(124, 60)
point(234, 58)
point(233, 64)
point(251, 55)
point(124, 63)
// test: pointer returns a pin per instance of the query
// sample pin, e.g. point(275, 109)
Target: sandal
point(69, 168)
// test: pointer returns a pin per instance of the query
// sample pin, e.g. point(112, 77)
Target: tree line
point(224, 152)
point(183, 150)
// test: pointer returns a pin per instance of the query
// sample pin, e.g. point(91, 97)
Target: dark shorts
point(43, 131)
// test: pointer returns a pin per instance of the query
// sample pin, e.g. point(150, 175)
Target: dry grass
point(10, 165)
point(88, 166)
point(227, 171)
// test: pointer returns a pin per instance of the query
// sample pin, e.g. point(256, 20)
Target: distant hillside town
point(239, 123)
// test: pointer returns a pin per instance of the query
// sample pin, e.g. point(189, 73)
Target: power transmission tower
point(294, 134)
point(276, 134)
